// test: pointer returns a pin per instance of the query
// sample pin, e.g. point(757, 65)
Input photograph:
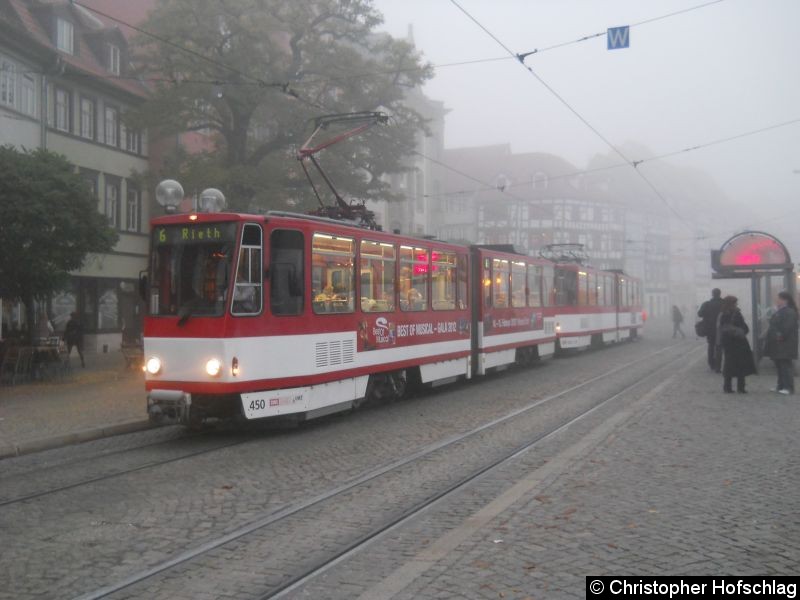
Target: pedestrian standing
point(709, 311)
point(781, 344)
point(73, 336)
point(677, 319)
point(732, 333)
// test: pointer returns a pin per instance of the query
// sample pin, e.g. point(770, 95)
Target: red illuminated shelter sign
point(752, 252)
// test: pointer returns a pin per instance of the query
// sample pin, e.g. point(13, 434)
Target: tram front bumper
point(169, 406)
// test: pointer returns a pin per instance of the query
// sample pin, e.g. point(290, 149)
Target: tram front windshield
point(190, 269)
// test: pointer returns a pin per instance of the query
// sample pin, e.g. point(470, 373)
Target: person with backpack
point(707, 328)
point(732, 338)
point(781, 344)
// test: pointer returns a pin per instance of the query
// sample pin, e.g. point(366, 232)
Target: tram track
point(121, 472)
point(293, 509)
point(26, 497)
point(415, 511)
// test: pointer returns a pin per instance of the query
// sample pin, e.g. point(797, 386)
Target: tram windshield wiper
point(185, 313)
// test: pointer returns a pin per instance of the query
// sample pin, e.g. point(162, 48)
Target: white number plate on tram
point(265, 404)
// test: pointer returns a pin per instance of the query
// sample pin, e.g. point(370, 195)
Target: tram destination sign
point(195, 233)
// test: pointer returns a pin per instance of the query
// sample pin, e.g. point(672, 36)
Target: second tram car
point(280, 314)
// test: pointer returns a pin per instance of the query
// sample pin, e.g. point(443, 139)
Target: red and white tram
point(594, 306)
point(291, 314)
point(515, 316)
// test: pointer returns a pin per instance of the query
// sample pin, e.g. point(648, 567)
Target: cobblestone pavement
point(692, 482)
point(78, 540)
point(103, 394)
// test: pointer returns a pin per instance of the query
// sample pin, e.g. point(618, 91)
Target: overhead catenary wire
point(598, 34)
point(178, 46)
point(573, 110)
point(348, 76)
point(638, 162)
point(284, 86)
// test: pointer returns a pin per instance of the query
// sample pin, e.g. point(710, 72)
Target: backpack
point(700, 329)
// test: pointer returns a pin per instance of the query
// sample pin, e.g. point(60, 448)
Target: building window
point(27, 93)
point(132, 140)
point(8, 83)
point(107, 305)
point(61, 116)
point(111, 126)
point(64, 36)
point(133, 211)
point(112, 202)
point(113, 59)
point(87, 118)
point(91, 180)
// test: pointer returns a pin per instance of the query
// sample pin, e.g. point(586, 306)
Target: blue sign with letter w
point(619, 37)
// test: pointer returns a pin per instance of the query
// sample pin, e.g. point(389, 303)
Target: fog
point(712, 73)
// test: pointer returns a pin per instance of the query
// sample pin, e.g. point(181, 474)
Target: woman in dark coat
point(781, 344)
point(732, 338)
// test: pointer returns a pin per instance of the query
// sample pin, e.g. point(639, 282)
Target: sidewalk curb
point(75, 437)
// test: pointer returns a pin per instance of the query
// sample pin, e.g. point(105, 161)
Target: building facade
point(65, 86)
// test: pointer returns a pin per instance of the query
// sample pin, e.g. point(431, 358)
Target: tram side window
point(332, 278)
point(443, 280)
point(548, 276)
point(247, 293)
point(592, 288)
point(518, 284)
point(534, 286)
point(414, 268)
point(583, 289)
point(611, 294)
point(286, 272)
point(377, 276)
point(463, 281)
point(566, 287)
point(500, 277)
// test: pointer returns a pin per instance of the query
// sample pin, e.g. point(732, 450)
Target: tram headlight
point(558, 327)
point(153, 365)
point(213, 367)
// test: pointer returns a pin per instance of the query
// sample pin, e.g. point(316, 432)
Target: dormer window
point(64, 36)
point(113, 59)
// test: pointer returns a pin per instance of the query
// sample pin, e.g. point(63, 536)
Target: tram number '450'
point(258, 404)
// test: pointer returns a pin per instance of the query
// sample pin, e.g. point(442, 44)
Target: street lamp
point(169, 194)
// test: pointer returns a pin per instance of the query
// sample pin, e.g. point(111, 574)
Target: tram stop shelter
point(763, 259)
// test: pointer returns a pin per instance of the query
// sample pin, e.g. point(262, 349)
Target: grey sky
point(706, 74)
